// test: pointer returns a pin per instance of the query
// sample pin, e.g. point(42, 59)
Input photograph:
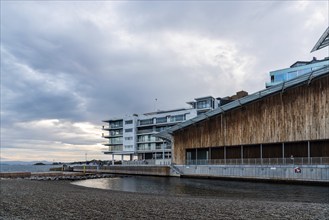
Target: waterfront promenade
point(27, 199)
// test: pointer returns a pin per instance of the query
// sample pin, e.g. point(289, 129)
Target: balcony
point(111, 135)
point(145, 131)
point(146, 122)
point(152, 147)
point(167, 147)
point(115, 148)
point(147, 140)
point(112, 127)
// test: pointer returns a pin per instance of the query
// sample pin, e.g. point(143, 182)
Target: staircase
point(175, 170)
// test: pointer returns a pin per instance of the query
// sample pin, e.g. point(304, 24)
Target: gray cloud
point(87, 61)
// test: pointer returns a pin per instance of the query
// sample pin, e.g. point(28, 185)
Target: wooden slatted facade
point(296, 117)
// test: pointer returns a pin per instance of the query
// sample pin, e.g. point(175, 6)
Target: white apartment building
point(133, 135)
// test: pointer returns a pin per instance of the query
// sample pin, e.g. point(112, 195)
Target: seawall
point(131, 170)
point(277, 173)
point(38, 174)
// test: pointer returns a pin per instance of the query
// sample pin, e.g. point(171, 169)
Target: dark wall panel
point(296, 149)
point(251, 151)
point(217, 153)
point(272, 150)
point(233, 152)
point(320, 148)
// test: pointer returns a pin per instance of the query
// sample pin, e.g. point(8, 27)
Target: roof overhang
point(322, 42)
point(303, 79)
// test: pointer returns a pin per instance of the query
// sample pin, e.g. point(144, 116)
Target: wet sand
point(29, 199)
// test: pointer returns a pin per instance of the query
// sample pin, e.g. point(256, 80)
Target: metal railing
point(262, 161)
point(145, 131)
point(139, 162)
point(161, 162)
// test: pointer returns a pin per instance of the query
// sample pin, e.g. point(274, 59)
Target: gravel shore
point(28, 199)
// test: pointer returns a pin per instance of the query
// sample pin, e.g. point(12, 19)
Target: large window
point(144, 146)
point(129, 122)
point(177, 118)
point(116, 132)
point(116, 124)
point(129, 146)
point(146, 122)
point(117, 140)
point(203, 104)
point(128, 130)
point(161, 120)
point(147, 138)
point(158, 129)
point(128, 138)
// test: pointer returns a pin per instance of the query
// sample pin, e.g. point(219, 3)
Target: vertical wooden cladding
point(297, 114)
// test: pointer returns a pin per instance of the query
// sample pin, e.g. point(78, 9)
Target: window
point(146, 138)
point(158, 129)
point(115, 124)
point(161, 120)
point(203, 104)
point(117, 140)
point(280, 77)
point(144, 146)
point(128, 146)
point(128, 138)
point(116, 132)
point(146, 122)
point(129, 122)
point(128, 130)
point(177, 118)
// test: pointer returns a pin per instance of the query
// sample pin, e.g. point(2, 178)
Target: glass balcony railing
point(144, 131)
point(116, 148)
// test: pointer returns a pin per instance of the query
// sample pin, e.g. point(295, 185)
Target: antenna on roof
point(155, 104)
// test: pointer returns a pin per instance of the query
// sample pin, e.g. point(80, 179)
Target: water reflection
point(212, 188)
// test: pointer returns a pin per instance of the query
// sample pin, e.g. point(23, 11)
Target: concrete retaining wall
point(38, 174)
point(318, 173)
point(15, 175)
point(133, 170)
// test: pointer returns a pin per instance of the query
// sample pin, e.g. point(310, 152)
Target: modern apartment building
point(133, 135)
point(295, 70)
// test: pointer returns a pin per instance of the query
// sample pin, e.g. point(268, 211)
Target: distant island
point(39, 163)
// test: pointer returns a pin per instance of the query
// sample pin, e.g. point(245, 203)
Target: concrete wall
point(278, 172)
point(133, 170)
point(15, 174)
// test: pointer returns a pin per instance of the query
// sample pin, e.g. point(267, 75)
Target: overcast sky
point(66, 66)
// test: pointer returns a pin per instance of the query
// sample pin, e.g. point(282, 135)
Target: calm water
point(212, 188)
point(25, 168)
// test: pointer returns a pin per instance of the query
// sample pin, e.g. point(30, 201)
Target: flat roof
point(166, 111)
point(303, 79)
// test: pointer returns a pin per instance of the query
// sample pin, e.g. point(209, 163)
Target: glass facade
point(146, 122)
point(161, 120)
point(116, 140)
point(177, 118)
point(203, 104)
point(116, 124)
point(298, 69)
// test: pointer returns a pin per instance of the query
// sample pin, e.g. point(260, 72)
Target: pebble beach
point(31, 199)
